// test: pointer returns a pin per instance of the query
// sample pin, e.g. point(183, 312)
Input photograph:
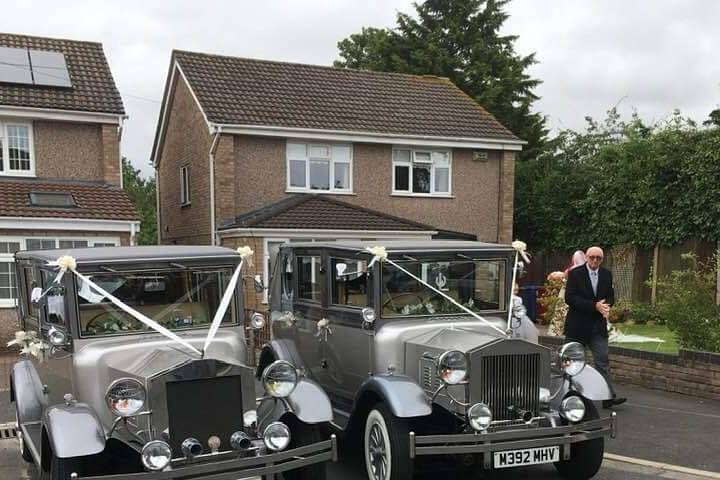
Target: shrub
point(551, 304)
point(686, 300)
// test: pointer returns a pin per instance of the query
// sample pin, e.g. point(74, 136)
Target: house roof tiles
point(307, 211)
point(93, 88)
point(241, 91)
point(100, 202)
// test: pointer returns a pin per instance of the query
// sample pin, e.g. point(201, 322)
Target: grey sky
point(651, 55)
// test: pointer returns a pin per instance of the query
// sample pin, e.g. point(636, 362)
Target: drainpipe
point(211, 156)
point(157, 207)
point(121, 120)
point(132, 234)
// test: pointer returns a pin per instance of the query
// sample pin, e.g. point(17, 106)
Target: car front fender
point(589, 383)
point(402, 394)
point(308, 402)
point(26, 391)
point(74, 430)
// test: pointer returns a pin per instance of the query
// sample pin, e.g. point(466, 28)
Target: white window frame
point(185, 196)
point(9, 258)
point(413, 151)
point(6, 170)
point(308, 158)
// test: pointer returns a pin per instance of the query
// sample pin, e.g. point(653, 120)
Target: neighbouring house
point(61, 118)
point(260, 152)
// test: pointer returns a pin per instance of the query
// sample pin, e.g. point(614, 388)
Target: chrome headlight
point(280, 379)
point(257, 321)
point(480, 417)
point(276, 436)
point(156, 455)
point(452, 367)
point(125, 397)
point(572, 409)
point(572, 358)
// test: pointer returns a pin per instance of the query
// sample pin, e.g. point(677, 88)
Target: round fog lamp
point(452, 367)
point(280, 379)
point(572, 358)
point(156, 455)
point(572, 409)
point(480, 417)
point(277, 436)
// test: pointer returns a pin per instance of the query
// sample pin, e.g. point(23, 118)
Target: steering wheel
point(96, 324)
point(391, 301)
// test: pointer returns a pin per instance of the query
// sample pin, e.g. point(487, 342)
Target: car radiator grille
point(509, 381)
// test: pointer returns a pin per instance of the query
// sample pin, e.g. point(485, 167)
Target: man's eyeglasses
point(595, 257)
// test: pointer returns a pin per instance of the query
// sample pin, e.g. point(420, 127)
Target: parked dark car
point(418, 380)
point(104, 396)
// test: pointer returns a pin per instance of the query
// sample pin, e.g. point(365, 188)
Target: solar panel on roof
point(15, 66)
point(49, 68)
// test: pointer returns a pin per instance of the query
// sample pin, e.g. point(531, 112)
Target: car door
point(346, 350)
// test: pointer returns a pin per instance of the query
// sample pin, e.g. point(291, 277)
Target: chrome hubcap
point(378, 453)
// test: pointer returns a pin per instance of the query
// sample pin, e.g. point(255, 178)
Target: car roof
point(397, 246)
point(96, 255)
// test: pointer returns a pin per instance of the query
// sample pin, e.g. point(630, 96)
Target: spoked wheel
point(387, 446)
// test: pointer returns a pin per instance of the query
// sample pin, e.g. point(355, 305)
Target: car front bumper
point(234, 468)
point(514, 439)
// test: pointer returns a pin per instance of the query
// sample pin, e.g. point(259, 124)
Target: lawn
point(659, 331)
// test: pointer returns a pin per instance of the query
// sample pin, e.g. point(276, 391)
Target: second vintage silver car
point(417, 380)
point(99, 395)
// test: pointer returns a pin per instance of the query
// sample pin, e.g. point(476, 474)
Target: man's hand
point(603, 308)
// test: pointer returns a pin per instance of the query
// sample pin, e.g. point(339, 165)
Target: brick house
point(259, 152)
point(61, 117)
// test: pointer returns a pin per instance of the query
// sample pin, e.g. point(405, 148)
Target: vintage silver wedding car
point(416, 379)
point(100, 395)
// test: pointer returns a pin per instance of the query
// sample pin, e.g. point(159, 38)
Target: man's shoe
point(614, 402)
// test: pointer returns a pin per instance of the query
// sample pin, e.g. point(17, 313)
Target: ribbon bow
point(378, 253)
point(245, 251)
point(521, 248)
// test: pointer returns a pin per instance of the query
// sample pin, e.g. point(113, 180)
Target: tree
point(458, 39)
point(142, 193)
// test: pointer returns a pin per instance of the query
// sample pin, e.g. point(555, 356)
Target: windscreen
point(178, 299)
point(478, 284)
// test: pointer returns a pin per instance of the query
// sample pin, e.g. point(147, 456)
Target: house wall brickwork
point(690, 372)
point(260, 179)
point(110, 154)
point(72, 151)
point(507, 195)
point(187, 142)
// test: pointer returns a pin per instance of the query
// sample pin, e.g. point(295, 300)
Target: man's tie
point(594, 280)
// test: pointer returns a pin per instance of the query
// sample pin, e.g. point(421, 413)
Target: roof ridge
point(313, 65)
point(39, 37)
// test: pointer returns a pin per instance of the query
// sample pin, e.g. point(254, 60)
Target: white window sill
point(422, 195)
point(323, 192)
point(7, 173)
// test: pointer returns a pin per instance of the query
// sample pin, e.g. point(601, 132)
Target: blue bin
point(529, 295)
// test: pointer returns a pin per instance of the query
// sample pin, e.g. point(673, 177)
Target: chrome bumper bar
point(256, 466)
point(487, 443)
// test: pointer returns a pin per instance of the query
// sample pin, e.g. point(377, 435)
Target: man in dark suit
point(589, 294)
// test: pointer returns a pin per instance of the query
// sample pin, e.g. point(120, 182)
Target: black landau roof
point(419, 246)
point(99, 255)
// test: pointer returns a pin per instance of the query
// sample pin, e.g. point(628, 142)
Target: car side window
point(55, 299)
point(310, 278)
point(350, 282)
point(30, 280)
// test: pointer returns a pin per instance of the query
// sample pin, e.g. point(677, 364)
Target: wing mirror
point(368, 315)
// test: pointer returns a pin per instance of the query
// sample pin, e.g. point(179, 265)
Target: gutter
point(211, 159)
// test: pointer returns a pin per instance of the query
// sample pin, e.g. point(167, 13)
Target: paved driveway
point(656, 426)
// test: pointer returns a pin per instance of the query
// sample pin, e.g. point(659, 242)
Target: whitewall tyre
point(386, 445)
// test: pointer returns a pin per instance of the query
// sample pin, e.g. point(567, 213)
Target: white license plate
point(528, 456)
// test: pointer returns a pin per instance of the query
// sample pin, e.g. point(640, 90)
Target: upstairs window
point(185, 185)
point(421, 172)
point(16, 156)
point(319, 168)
